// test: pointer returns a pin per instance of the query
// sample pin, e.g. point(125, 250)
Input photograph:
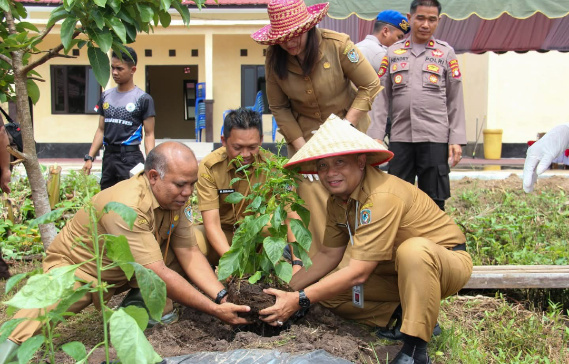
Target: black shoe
point(402, 358)
point(394, 333)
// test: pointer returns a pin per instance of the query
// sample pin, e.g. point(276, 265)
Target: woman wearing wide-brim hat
point(310, 74)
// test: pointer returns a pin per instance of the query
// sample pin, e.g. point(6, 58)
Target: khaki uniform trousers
point(422, 274)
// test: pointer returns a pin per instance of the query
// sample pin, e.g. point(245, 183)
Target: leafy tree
point(101, 25)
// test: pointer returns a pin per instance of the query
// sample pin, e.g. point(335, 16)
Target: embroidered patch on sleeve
point(353, 56)
point(455, 71)
point(365, 216)
point(188, 213)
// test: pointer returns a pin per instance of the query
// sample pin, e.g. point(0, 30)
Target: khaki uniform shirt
point(425, 88)
point(388, 211)
point(147, 238)
point(215, 173)
point(300, 104)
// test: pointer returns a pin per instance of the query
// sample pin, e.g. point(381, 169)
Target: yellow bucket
point(492, 143)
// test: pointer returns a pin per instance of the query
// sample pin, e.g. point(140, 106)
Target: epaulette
point(217, 156)
point(330, 34)
point(442, 42)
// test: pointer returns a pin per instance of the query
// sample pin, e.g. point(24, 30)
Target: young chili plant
point(52, 293)
point(258, 243)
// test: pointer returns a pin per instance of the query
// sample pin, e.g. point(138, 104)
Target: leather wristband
point(220, 296)
point(297, 262)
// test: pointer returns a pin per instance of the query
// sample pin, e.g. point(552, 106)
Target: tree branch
point(45, 32)
point(6, 59)
point(16, 153)
point(36, 79)
point(54, 52)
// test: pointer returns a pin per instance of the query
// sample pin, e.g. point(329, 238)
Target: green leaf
point(256, 203)
point(104, 39)
point(119, 252)
point(234, 197)
point(14, 280)
point(118, 28)
point(115, 5)
point(98, 18)
point(129, 341)
point(165, 20)
point(255, 277)
point(165, 5)
point(67, 30)
point(284, 271)
point(302, 212)
point(153, 290)
point(9, 326)
point(75, 349)
point(56, 15)
point(234, 180)
point(29, 347)
point(5, 5)
point(274, 248)
point(130, 33)
point(33, 91)
point(71, 298)
point(26, 25)
point(127, 213)
point(278, 217)
point(228, 264)
point(53, 285)
point(100, 3)
point(51, 216)
point(139, 314)
point(183, 10)
point(301, 233)
point(302, 254)
point(145, 11)
point(100, 63)
point(68, 4)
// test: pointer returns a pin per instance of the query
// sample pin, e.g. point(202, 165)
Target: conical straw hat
point(337, 137)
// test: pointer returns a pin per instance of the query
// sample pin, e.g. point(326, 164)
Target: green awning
point(454, 9)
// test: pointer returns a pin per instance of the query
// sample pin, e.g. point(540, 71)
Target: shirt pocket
point(399, 74)
point(433, 76)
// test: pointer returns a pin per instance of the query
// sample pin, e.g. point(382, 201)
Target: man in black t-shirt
point(125, 111)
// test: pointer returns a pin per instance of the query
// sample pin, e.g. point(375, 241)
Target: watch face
point(304, 302)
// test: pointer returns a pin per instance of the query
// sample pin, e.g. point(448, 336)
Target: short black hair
point(131, 58)
point(416, 3)
point(378, 26)
point(243, 119)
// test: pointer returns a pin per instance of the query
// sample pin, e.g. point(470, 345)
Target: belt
point(119, 148)
point(459, 247)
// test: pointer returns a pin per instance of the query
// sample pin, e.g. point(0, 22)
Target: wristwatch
point(297, 262)
point(303, 301)
point(87, 157)
point(220, 296)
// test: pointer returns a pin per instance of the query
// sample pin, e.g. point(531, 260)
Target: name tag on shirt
point(228, 190)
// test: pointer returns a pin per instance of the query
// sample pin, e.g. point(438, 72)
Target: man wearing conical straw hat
point(404, 252)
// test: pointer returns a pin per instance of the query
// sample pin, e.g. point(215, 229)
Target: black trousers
point(117, 165)
point(4, 271)
point(428, 162)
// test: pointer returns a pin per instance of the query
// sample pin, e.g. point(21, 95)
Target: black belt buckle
point(459, 247)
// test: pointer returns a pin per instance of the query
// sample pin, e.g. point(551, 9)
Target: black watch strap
point(297, 262)
point(303, 301)
point(220, 296)
point(88, 158)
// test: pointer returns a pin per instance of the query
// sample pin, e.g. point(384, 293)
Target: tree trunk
point(33, 170)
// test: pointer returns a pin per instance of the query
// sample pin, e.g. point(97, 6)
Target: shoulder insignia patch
point(407, 44)
point(353, 56)
point(365, 216)
point(437, 53)
point(455, 71)
point(142, 221)
point(431, 43)
point(367, 205)
point(400, 51)
point(188, 213)
point(347, 49)
point(207, 177)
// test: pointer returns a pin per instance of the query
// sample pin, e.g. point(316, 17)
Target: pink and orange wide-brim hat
point(337, 137)
point(289, 19)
